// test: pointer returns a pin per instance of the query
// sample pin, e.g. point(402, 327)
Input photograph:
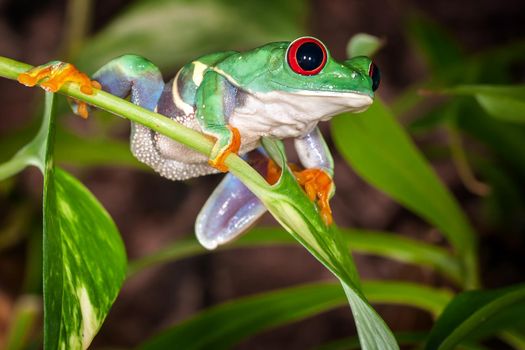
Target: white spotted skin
point(144, 145)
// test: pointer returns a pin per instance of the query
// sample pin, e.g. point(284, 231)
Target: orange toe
point(317, 185)
point(51, 77)
point(233, 147)
point(273, 172)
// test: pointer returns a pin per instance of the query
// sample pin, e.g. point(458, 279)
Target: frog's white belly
point(276, 114)
point(282, 114)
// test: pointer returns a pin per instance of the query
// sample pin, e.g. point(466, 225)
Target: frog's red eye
point(306, 56)
point(374, 73)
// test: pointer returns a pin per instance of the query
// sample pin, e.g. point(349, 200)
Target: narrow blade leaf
point(386, 244)
point(289, 205)
point(380, 151)
point(503, 102)
point(225, 325)
point(470, 311)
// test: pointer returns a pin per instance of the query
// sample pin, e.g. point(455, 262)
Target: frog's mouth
point(355, 101)
point(302, 106)
point(333, 102)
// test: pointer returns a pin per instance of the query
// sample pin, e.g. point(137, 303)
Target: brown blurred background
point(151, 211)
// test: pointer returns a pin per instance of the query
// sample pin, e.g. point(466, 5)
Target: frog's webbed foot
point(319, 187)
point(231, 210)
point(228, 141)
point(51, 76)
point(316, 182)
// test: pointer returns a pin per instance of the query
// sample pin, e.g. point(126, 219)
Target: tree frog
point(280, 90)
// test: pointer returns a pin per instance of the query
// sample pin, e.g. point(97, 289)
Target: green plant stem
point(12, 166)
point(193, 139)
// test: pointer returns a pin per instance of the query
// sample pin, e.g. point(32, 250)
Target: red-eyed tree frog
point(280, 90)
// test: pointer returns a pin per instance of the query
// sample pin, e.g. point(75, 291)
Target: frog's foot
point(319, 187)
point(51, 76)
point(230, 211)
point(232, 208)
point(223, 147)
point(317, 184)
point(273, 172)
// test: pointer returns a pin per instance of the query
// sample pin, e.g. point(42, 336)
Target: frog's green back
point(266, 69)
point(191, 74)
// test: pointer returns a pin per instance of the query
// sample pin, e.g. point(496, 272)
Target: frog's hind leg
point(231, 209)
point(140, 79)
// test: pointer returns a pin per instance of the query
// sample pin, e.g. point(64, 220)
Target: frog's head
point(304, 74)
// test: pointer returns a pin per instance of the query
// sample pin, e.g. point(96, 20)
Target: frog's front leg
point(52, 75)
point(210, 115)
point(317, 177)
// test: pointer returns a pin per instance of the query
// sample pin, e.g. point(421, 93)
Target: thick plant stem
point(11, 69)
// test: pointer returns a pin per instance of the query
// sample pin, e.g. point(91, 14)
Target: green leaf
point(84, 263)
point(173, 33)
point(400, 248)
point(514, 338)
point(223, 326)
point(385, 244)
point(381, 152)
point(504, 102)
point(290, 206)
point(469, 311)
point(84, 257)
point(405, 293)
point(363, 44)
point(507, 319)
point(403, 338)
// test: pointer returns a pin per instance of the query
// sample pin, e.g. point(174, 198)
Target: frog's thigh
point(171, 149)
point(143, 146)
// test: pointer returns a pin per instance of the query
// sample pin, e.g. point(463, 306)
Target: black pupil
point(309, 56)
point(375, 75)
